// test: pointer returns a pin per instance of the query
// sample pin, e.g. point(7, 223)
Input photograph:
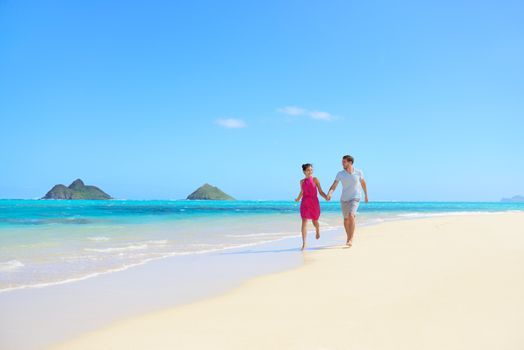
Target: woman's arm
point(300, 194)
point(317, 182)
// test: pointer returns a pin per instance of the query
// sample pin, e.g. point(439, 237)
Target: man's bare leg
point(317, 228)
point(351, 229)
point(346, 227)
point(304, 233)
point(349, 225)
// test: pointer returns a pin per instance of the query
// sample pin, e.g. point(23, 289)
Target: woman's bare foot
point(303, 246)
point(349, 243)
point(318, 234)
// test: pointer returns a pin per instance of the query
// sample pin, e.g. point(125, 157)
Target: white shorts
point(350, 207)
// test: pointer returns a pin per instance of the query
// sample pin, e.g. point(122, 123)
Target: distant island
point(77, 190)
point(208, 192)
point(513, 199)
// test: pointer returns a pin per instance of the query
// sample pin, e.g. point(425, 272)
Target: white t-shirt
point(350, 184)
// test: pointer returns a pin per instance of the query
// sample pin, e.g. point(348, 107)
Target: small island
point(77, 190)
point(208, 192)
point(514, 199)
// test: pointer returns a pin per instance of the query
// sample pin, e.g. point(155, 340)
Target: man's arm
point(365, 188)
point(332, 189)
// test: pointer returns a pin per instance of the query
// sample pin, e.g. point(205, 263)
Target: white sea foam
point(283, 234)
point(98, 238)
point(117, 249)
point(158, 242)
point(10, 265)
point(261, 234)
point(130, 247)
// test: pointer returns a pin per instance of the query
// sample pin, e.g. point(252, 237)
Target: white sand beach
point(447, 282)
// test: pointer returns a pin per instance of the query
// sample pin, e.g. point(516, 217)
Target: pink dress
point(309, 207)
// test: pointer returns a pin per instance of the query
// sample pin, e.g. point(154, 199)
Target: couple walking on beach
point(352, 182)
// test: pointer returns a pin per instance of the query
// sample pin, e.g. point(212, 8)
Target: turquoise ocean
point(52, 242)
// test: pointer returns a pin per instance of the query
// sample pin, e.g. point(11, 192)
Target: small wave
point(158, 242)
point(131, 247)
point(227, 247)
point(261, 234)
point(117, 249)
point(99, 238)
point(10, 265)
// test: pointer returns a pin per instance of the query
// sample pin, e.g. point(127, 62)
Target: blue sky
point(150, 99)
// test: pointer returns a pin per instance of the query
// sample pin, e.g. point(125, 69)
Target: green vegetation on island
point(77, 190)
point(208, 192)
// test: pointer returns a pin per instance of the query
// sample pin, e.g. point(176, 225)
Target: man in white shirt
point(352, 183)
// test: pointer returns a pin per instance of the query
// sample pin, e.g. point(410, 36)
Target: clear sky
point(150, 99)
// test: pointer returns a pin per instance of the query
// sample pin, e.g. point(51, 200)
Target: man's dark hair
point(305, 166)
point(349, 158)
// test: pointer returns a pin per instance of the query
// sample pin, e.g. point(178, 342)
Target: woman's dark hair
point(305, 166)
point(349, 158)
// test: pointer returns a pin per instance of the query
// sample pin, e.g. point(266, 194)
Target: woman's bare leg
point(317, 228)
point(304, 233)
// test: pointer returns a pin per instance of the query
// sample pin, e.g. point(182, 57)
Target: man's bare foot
point(318, 235)
point(349, 243)
point(303, 246)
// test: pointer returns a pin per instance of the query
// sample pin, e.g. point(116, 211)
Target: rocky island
point(77, 190)
point(514, 199)
point(208, 192)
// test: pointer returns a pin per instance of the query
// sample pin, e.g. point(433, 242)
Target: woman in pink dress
point(309, 207)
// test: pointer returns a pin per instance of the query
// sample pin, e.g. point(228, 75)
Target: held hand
point(328, 197)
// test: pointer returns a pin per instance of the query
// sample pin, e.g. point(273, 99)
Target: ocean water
point(51, 242)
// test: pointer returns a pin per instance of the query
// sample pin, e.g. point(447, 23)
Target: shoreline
point(467, 240)
point(125, 268)
point(155, 285)
point(400, 217)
